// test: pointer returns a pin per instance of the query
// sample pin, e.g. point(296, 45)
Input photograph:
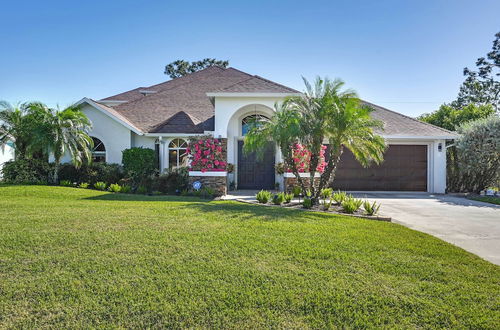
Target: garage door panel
point(404, 169)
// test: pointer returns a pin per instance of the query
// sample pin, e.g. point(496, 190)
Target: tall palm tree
point(324, 113)
point(63, 133)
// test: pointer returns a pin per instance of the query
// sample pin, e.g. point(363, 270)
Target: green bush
point(207, 192)
point(351, 205)
point(339, 197)
point(114, 187)
point(478, 155)
point(139, 162)
point(288, 197)
point(172, 181)
point(26, 171)
point(279, 198)
point(263, 196)
point(141, 190)
point(327, 204)
point(296, 191)
point(83, 185)
point(372, 208)
point(125, 189)
point(66, 183)
point(307, 203)
point(326, 193)
point(100, 185)
point(108, 173)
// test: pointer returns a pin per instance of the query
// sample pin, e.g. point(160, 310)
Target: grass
point(75, 258)
point(487, 199)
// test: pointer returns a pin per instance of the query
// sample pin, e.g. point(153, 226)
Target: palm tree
point(323, 113)
point(63, 133)
point(16, 126)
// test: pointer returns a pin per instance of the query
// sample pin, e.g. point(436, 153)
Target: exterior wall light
point(440, 147)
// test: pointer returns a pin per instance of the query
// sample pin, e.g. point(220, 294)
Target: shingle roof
point(181, 105)
point(398, 124)
point(157, 112)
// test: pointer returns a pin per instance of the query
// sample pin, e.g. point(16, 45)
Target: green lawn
point(82, 258)
point(487, 199)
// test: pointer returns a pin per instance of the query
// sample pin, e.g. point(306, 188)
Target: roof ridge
point(190, 74)
point(403, 115)
point(261, 78)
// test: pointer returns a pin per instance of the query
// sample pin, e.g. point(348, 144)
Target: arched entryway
point(255, 171)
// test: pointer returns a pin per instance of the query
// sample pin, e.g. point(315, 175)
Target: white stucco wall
point(114, 135)
point(6, 155)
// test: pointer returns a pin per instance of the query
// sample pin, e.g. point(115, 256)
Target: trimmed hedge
point(107, 173)
point(172, 181)
point(27, 171)
point(139, 162)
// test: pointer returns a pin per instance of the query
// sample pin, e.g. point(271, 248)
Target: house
point(220, 101)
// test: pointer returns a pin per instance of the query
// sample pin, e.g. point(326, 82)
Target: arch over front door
point(253, 172)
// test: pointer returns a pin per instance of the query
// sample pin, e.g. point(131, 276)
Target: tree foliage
point(451, 118)
point(478, 154)
point(181, 68)
point(62, 133)
point(483, 85)
point(324, 113)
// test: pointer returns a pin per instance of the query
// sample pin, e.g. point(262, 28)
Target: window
point(177, 155)
point(98, 151)
point(248, 122)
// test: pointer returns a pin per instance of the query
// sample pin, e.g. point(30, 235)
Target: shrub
point(173, 181)
point(327, 204)
point(296, 191)
point(139, 162)
point(478, 154)
point(125, 189)
point(141, 190)
point(307, 203)
point(184, 192)
point(107, 173)
point(208, 192)
point(351, 205)
point(66, 183)
point(83, 185)
point(339, 197)
point(26, 171)
point(279, 198)
point(372, 208)
point(263, 196)
point(114, 187)
point(326, 193)
point(100, 185)
point(288, 197)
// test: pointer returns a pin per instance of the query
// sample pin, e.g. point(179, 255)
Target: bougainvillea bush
point(302, 158)
point(207, 154)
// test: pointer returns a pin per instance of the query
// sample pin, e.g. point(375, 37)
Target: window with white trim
point(177, 153)
point(98, 151)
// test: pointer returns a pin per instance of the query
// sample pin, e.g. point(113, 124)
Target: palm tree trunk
point(328, 175)
point(55, 177)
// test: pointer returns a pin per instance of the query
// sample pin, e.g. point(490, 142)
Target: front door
point(254, 172)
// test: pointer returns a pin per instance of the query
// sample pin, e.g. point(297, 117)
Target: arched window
point(98, 151)
point(251, 120)
point(177, 155)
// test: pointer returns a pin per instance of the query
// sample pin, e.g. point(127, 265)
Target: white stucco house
point(219, 101)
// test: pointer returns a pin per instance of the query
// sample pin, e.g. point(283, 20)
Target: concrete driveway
point(471, 225)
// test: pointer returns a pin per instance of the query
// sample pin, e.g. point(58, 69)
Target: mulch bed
point(334, 209)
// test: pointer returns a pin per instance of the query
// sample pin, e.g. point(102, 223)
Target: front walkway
point(471, 225)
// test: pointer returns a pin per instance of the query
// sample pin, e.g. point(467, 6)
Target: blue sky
point(405, 55)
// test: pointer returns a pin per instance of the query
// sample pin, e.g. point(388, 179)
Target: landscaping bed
point(334, 209)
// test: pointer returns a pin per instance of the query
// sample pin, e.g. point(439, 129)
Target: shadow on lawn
point(231, 209)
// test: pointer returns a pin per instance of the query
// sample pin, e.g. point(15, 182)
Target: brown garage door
point(404, 169)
